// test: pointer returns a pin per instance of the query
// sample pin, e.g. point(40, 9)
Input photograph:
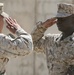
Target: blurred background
point(28, 13)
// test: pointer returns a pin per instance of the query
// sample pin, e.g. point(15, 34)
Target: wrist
point(41, 25)
point(44, 26)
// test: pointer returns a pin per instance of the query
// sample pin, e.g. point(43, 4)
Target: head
point(65, 17)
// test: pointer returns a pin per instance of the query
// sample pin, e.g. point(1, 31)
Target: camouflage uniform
point(59, 54)
point(12, 47)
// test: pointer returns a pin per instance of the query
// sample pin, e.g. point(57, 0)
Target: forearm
point(21, 33)
point(38, 41)
point(38, 32)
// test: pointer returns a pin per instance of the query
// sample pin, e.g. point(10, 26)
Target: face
point(65, 24)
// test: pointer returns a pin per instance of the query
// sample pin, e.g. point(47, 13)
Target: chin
point(59, 29)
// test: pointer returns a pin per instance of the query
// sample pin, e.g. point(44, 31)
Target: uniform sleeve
point(38, 32)
point(37, 35)
point(19, 46)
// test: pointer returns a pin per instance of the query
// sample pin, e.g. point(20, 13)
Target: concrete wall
point(27, 13)
point(47, 9)
point(22, 11)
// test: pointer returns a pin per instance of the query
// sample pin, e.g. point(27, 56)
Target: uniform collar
point(69, 38)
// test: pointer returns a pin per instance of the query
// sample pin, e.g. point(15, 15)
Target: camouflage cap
point(65, 10)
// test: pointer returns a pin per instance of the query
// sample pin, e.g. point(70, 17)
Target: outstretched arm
point(18, 46)
point(39, 31)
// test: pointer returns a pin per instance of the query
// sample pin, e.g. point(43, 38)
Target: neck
point(66, 34)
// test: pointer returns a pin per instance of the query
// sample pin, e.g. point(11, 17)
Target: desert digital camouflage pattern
point(12, 47)
point(65, 9)
point(37, 35)
point(59, 54)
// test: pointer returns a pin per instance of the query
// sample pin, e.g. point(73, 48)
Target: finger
point(15, 20)
point(54, 22)
point(11, 19)
point(52, 19)
point(8, 27)
point(8, 22)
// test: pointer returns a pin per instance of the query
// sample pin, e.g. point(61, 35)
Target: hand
point(12, 25)
point(49, 22)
